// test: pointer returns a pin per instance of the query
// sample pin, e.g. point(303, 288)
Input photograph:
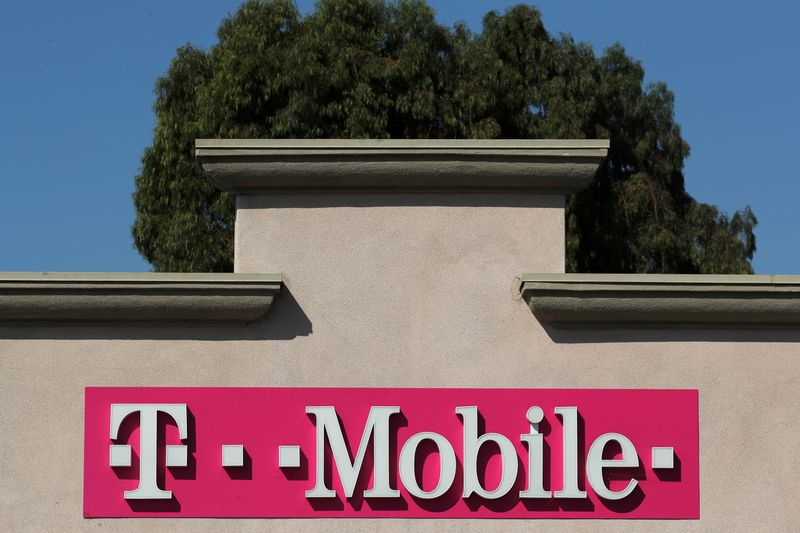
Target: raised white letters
point(472, 445)
point(148, 432)
point(378, 427)
point(569, 417)
point(595, 464)
point(447, 465)
point(377, 431)
point(535, 442)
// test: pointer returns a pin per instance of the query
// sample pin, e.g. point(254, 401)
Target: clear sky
point(76, 82)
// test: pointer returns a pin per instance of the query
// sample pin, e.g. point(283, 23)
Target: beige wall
point(412, 294)
point(400, 282)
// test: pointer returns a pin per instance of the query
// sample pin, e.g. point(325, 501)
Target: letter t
point(148, 433)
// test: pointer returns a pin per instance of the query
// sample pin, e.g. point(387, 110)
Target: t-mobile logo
point(120, 454)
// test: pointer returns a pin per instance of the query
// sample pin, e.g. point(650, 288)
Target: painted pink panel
point(261, 419)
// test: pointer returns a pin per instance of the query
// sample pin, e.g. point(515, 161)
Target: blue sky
point(76, 98)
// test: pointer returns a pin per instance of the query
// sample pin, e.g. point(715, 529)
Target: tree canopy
point(377, 69)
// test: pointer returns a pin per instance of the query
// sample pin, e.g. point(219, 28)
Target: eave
point(75, 297)
point(250, 166)
point(653, 299)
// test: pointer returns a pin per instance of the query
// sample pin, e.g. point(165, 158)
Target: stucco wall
point(419, 293)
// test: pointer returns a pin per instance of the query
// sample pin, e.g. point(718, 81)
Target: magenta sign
point(403, 453)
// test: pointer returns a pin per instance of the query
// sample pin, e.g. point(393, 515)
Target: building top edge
point(403, 144)
point(662, 279)
point(136, 277)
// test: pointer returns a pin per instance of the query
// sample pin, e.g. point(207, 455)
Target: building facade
point(408, 266)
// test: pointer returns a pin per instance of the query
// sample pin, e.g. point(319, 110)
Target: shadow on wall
point(583, 333)
point(423, 198)
point(285, 320)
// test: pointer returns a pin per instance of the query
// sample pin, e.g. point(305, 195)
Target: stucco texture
point(417, 293)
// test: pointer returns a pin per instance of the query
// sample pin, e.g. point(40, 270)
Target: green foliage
point(372, 69)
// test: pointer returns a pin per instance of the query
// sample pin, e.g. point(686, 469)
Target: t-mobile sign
point(404, 453)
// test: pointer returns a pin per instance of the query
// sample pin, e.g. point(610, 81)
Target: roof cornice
point(89, 296)
point(652, 298)
point(268, 165)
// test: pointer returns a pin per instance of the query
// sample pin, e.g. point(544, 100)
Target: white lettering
point(569, 417)
point(148, 432)
point(447, 465)
point(472, 445)
point(377, 427)
point(595, 464)
point(535, 442)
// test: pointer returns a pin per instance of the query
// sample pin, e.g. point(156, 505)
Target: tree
point(371, 69)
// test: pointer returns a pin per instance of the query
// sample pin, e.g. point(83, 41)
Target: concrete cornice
point(267, 165)
point(651, 298)
point(135, 296)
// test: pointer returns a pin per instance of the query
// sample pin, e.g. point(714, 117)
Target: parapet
point(268, 165)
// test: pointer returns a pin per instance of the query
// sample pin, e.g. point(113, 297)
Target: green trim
point(259, 166)
point(653, 299)
point(106, 296)
point(402, 144)
point(140, 277)
point(664, 279)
